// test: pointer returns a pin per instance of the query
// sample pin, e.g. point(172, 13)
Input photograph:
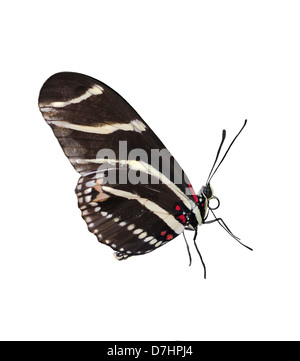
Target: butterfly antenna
point(197, 249)
point(188, 249)
point(218, 153)
point(210, 176)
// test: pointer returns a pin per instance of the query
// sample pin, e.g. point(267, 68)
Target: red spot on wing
point(182, 218)
point(177, 208)
point(193, 193)
point(169, 237)
point(163, 233)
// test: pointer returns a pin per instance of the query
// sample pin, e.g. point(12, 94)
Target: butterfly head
point(207, 191)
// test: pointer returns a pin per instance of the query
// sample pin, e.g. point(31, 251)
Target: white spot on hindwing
point(91, 183)
point(88, 199)
point(142, 235)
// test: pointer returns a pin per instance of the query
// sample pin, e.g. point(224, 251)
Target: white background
point(190, 68)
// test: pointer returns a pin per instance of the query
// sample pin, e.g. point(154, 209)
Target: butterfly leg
point(223, 225)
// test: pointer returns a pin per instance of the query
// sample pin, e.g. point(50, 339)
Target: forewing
point(87, 116)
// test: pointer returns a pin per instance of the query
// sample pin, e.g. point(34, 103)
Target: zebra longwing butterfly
point(132, 193)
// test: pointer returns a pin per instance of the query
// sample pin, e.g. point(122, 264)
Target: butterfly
point(132, 193)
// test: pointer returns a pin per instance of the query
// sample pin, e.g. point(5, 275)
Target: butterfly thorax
point(205, 195)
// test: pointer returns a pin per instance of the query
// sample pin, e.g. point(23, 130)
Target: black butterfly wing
point(88, 117)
